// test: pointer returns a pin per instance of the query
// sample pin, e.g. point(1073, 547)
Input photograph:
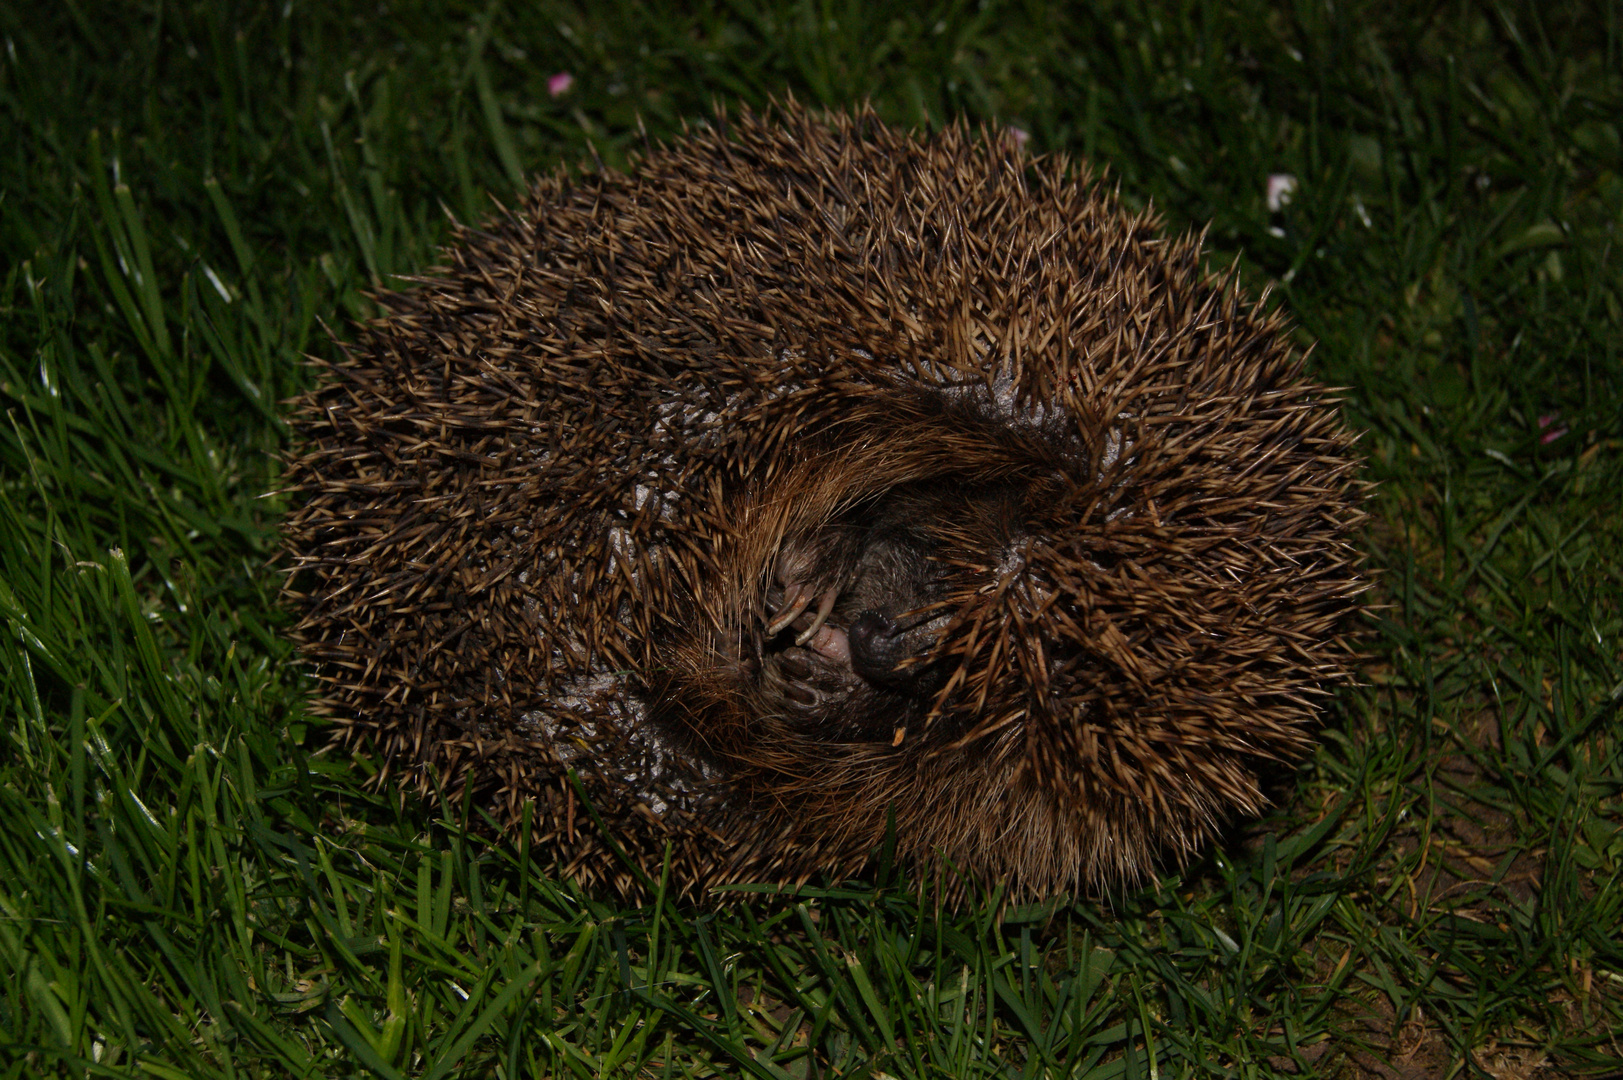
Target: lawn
point(194, 195)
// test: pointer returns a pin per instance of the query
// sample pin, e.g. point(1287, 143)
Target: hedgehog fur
point(812, 477)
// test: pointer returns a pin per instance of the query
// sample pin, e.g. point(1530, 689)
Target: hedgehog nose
point(878, 647)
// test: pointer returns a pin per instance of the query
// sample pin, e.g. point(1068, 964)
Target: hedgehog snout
point(880, 649)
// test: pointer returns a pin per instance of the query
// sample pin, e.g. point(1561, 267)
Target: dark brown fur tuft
point(814, 472)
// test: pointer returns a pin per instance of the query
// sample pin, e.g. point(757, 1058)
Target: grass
point(190, 192)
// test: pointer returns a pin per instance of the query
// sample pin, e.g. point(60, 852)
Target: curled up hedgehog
point(813, 476)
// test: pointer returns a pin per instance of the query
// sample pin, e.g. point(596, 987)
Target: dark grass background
point(189, 192)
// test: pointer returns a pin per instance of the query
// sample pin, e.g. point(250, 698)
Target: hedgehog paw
point(811, 627)
point(796, 674)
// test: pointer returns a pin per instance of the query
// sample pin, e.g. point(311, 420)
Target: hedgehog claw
point(824, 606)
point(795, 600)
point(804, 695)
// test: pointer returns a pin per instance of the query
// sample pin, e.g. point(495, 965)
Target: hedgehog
point(816, 487)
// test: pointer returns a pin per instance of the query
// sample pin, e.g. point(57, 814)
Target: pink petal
point(1021, 135)
point(560, 83)
point(1547, 419)
point(1550, 436)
